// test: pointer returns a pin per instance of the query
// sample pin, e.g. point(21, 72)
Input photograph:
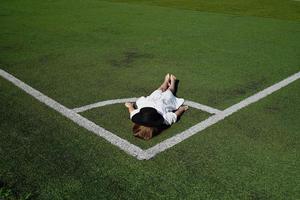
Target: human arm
point(171, 117)
point(132, 111)
point(181, 110)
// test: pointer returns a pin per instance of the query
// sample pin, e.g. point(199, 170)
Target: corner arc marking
point(133, 99)
point(123, 144)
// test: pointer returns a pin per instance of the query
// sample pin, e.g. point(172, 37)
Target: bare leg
point(164, 86)
point(172, 84)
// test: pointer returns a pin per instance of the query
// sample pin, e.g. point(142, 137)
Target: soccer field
point(79, 53)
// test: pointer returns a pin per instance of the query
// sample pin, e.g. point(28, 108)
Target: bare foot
point(173, 78)
point(172, 83)
point(167, 77)
point(164, 86)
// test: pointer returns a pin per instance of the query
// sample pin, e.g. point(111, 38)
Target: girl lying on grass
point(154, 112)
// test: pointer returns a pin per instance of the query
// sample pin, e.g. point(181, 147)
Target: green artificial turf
point(87, 52)
point(252, 154)
point(278, 9)
point(81, 52)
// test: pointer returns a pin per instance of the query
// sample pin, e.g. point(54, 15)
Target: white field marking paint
point(202, 107)
point(168, 143)
point(115, 101)
point(103, 103)
point(78, 119)
point(130, 148)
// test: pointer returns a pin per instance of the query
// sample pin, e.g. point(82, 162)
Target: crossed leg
point(164, 86)
point(169, 83)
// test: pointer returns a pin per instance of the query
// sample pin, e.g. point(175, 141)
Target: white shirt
point(163, 102)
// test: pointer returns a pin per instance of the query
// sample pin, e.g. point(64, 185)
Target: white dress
point(164, 102)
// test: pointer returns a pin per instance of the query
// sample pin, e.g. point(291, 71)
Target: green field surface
point(82, 52)
point(120, 126)
point(278, 9)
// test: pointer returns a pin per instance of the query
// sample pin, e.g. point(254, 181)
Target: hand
point(185, 107)
point(181, 110)
point(129, 105)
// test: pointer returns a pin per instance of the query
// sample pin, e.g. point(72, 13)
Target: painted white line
point(115, 101)
point(78, 119)
point(261, 94)
point(166, 144)
point(202, 107)
point(103, 103)
point(162, 146)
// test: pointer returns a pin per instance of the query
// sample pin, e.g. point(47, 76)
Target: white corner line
point(78, 119)
point(202, 107)
point(170, 142)
point(133, 99)
point(160, 147)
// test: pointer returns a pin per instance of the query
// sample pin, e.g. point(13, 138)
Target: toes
point(167, 77)
point(173, 77)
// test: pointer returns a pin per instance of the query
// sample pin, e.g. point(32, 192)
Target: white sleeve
point(170, 118)
point(134, 112)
